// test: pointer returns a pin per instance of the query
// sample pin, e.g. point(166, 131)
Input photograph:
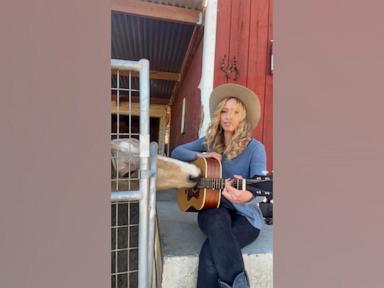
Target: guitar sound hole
point(192, 192)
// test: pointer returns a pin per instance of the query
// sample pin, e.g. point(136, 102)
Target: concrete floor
point(181, 240)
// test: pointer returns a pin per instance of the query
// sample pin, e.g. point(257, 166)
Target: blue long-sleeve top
point(251, 162)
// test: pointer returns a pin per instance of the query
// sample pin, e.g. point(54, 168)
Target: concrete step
point(181, 239)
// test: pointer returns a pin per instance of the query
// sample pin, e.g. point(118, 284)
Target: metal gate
point(133, 205)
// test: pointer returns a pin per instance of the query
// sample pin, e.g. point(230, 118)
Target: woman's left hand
point(234, 195)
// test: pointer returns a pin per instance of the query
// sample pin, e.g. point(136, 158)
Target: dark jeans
point(220, 256)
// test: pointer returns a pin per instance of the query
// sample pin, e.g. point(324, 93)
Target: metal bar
point(118, 124)
point(127, 65)
point(133, 134)
point(126, 196)
point(116, 263)
point(124, 89)
point(118, 105)
point(144, 173)
point(152, 211)
point(129, 121)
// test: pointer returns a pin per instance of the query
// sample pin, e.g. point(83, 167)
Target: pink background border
point(54, 205)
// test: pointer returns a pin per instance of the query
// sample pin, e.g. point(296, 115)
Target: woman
point(235, 111)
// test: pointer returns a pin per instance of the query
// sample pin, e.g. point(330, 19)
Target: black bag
point(267, 210)
point(266, 207)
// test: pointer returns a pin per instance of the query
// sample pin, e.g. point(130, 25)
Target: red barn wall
point(244, 31)
point(188, 89)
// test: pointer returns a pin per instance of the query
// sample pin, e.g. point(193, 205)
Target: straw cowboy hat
point(245, 95)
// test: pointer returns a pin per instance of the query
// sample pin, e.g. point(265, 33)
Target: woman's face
point(231, 115)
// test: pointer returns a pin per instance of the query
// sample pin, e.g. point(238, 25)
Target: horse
point(171, 173)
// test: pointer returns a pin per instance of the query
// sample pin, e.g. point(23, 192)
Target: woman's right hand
point(215, 155)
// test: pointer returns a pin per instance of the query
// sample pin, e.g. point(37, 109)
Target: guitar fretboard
point(219, 183)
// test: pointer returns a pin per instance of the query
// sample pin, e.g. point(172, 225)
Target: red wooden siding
point(222, 39)
point(239, 39)
point(268, 109)
point(188, 89)
point(244, 33)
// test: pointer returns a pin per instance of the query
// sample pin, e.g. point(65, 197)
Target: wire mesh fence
point(131, 226)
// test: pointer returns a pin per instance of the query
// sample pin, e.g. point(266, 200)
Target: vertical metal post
point(152, 211)
point(144, 173)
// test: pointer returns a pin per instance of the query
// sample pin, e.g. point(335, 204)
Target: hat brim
point(245, 95)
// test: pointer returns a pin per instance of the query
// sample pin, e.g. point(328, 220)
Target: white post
point(209, 46)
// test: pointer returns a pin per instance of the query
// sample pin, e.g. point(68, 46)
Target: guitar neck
point(219, 183)
point(251, 185)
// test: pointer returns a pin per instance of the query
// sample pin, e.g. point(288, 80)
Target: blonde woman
point(235, 111)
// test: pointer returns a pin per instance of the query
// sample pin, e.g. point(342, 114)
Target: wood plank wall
point(244, 31)
point(190, 91)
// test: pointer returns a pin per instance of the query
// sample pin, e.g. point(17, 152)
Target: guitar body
point(195, 199)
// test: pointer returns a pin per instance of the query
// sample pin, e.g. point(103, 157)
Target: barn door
point(243, 55)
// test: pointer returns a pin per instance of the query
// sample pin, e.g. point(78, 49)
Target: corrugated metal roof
point(163, 43)
point(191, 4)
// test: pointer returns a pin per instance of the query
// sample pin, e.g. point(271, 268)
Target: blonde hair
point(215, 133)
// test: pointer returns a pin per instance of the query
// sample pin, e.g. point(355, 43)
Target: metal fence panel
point(139, 191)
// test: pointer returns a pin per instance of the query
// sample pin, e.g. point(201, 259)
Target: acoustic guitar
point(207, 193)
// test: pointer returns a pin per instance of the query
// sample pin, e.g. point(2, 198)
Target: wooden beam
point(165, 76)
point(156, 110)
point(159, 75)
point(136, 99)
point(157, 11)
